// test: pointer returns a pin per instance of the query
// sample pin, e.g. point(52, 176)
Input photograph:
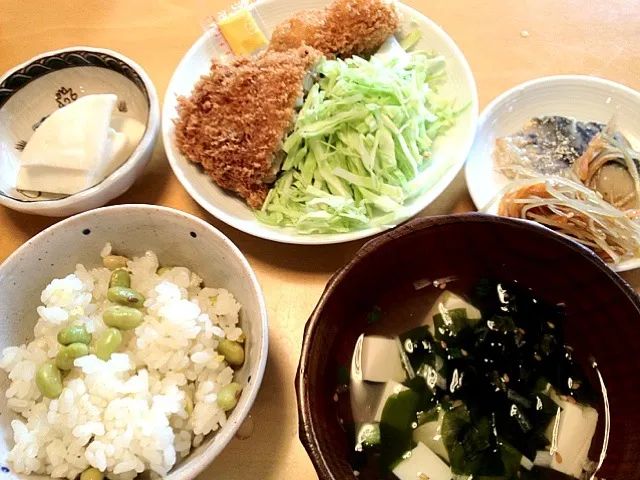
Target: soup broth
point(467, 380)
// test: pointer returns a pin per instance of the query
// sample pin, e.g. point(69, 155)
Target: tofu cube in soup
point(364, 396)
point(448, 302)
point(422, 464)
point(430, 434)
point(380, 360)
point(576, 429)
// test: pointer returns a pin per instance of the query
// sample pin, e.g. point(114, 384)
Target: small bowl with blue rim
point(32, 91)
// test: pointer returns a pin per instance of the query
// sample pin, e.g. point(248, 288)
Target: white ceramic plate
point(582, 97)
point(227, 207)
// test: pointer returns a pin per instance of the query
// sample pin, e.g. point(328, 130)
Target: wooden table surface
point(597, 37)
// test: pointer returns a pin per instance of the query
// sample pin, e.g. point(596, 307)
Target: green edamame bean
point(107, 343)
point(114, 261)
point(92, 474)
point(49, 380)
point(66, 355)
point(74, 334)
point(126, 296)
point(232, 352)
point(162, 270)
point(120, 278)
point(122, 318)
point(228, 396)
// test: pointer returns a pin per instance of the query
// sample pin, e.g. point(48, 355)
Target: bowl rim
point(187, 469)
point(306, 427)
point(283, 235)
point(146, 143)
point(497, 104)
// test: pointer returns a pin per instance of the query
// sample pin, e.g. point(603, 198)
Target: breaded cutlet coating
point(237, 115)
point(344, 28)
point(298, 29)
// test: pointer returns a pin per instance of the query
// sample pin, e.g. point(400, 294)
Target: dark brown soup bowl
point(603, 320)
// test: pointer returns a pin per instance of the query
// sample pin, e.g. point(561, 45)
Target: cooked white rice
point(128, 414)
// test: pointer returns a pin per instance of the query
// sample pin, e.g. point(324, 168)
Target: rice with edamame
point(154, 398)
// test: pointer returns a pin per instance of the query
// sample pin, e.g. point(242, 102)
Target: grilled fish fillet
point(234, 121)
point(547, 145)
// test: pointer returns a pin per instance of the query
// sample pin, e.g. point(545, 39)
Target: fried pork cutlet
point(344, 28)
point(237, 116)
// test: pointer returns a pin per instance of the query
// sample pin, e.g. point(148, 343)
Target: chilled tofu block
point(430, 434)
point(576, 429)
point(422, 464)
point(390, 388)
point(450, 301)
point(380, 360)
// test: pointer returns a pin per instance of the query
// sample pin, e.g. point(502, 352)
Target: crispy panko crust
point(344, 28)
point(237, 116)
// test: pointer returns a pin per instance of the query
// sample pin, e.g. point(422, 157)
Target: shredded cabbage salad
point(362, 143)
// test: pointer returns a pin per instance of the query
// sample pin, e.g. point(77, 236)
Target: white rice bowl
point(131, 413)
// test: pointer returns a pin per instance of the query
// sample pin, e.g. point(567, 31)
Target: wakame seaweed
point(473, 447)
point(398, 416)
point(490, 378)
point(539, 337)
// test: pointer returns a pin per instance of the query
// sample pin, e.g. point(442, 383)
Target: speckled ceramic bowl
point(30, 92)
point(603, 314)
point(178, 239)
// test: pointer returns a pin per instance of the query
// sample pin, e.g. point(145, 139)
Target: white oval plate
point(582, 97)
point(455, 144)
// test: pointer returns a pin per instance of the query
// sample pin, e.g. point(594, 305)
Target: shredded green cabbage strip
point(361, 145)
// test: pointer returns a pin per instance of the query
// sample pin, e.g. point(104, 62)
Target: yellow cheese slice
point(242, 33)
